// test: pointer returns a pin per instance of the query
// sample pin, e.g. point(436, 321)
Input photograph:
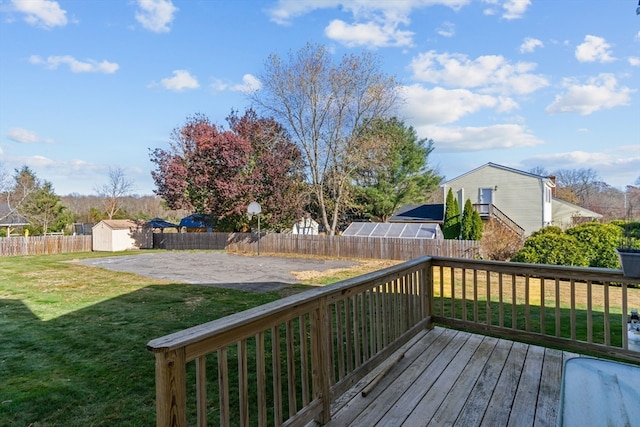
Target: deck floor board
point(449, 377)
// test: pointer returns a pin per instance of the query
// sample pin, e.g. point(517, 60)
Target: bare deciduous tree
point(114, 190)
point(323, 105)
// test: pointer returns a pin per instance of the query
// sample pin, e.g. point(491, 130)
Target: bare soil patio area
point(212, 268)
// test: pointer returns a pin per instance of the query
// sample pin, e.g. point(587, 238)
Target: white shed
point(119, 235)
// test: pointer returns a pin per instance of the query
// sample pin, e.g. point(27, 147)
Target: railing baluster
point(527, 309)
point(500, 301)
point(349, 341)
point(488, 302)
point(291, 368)
point(514, 303)
point(589, 312)
point(201, 390)
point(452, 293)
point(573, 309)
point(261, 380)
point(277, 375)
point(558, 313)
point(304, 360)
point(359, 333)
point(625, 308)
point(464, 294)
point(223, 387)
point(339, 338)
point(543, 323)
point(243, 384)
point(475, 296)
point(607, 322)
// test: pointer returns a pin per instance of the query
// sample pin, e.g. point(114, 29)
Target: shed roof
point(10, 218)
point(118, 224)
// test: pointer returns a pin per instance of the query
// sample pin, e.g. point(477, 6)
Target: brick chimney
point(553, 180)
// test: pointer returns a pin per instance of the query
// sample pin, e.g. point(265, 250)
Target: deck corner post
point(171, 389)
point(320, 328)
point(426, 289)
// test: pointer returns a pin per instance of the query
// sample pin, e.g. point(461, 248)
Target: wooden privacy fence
point(44, 245)
point(320, 245)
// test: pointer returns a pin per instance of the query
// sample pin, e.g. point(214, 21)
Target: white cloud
point(249, 84)
point(367, 34)
point(375, 23)
point(634, 61)
point(530, 44)
point(439, 106)
point(41, 13)
point(25, 136)
point(594, 49)
point(511, 9)
point(469, 139)
point(76, 66)
point(286, 10)
point(180, 81)
point(491, 73)
point(447, 29)
point(601, 92)
point(514, 9)
point(156, 15)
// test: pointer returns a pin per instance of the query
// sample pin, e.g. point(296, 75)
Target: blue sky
point(86, 85)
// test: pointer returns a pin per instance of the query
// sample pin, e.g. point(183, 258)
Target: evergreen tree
point(451, 225)
point(466, 224)
point(478, 226)
point(397, 172)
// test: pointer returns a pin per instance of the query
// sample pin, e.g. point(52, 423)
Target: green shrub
point(551, 246)
point(598, 243)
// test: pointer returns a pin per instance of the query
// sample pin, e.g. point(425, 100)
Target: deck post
point(320, 328)
point(426, 289)
point(171, 389)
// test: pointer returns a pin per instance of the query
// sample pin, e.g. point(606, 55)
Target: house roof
point(118, 224)
point(564, 207)
point(11, 218)
point(419, 213)
point(505, 168)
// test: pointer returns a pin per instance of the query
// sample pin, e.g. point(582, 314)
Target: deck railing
point(284, 363)
point(572, 308)
point(281, 363)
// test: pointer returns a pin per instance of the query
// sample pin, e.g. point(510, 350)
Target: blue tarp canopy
point(160, 223)
point(197, 221)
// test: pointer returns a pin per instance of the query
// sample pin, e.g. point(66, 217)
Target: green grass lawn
point(73, 339)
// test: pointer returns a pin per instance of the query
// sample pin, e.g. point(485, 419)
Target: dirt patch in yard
point(246, 272)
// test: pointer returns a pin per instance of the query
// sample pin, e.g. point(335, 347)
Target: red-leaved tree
point(219, 172)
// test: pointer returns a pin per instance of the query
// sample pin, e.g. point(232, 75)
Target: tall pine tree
point(451, 225)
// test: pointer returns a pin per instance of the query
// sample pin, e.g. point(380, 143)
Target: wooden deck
point(453, 378)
